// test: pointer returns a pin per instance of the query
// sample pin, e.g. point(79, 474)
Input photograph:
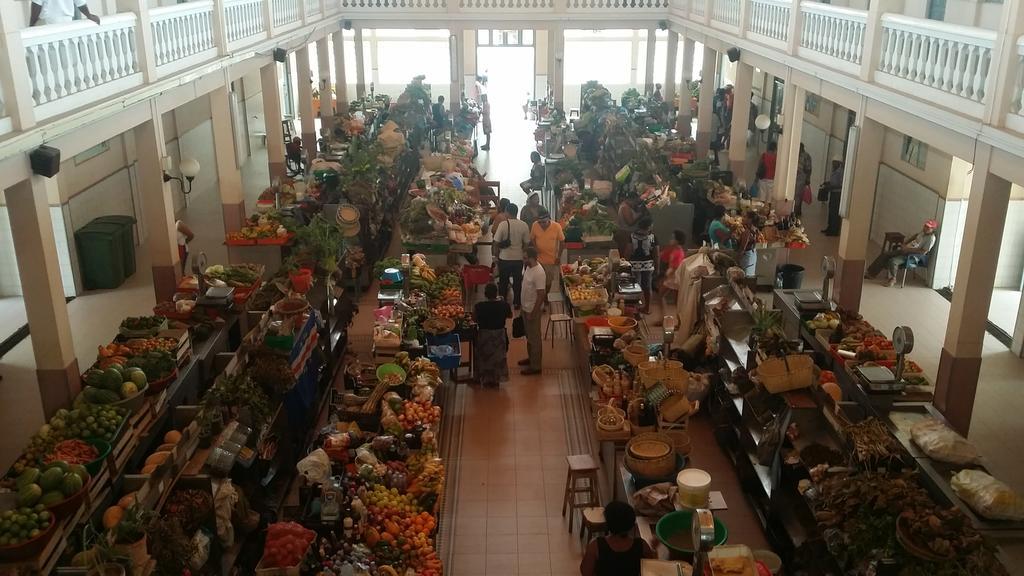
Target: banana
point(387, 571)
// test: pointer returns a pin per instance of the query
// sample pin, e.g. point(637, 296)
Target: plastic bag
point(942, 444)
point(655, 500)
point(223, 505)
point(316, 467)
point(987, 496)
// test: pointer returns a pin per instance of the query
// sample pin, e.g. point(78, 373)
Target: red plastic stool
point(475, 275)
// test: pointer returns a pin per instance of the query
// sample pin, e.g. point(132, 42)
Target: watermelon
point(29, 476)
point(51, 479)
point(79, 469)
point(29, 495)
point(72, 484)
point(94, 377)
point(51, 498)
point(112, 379)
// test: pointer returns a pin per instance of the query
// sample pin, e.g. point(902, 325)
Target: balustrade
point(726, 12)
point(244, 19)
point(312, 8)
point(949, 58)
point(68, 60)
point(833, 31)
point(769, 18)
point(181, 31)
point(285, 12)
point(506, 4)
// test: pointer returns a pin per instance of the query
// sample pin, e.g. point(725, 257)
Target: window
point(504, 37)
point(914, 152)
point(483, 37)
point(606, 62)
point(395, 67)
point(811, 104)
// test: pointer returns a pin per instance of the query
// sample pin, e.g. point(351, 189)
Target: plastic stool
point(581, 479)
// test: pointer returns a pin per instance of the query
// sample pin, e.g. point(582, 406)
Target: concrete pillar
point(144, 42)
point(35, 250)
point(220, 28)
point(873, 35)
point(684, 119)
point(706, 101)
point(457, 55)
point(229, 177)
point(856, 225)
point(158, 207)
point(740, 114)
point(323, 65)
point(360, 68)
point(669, 87)
point(340, 86)
point(14, 79)
point(1005, 60)
point(271, 84)
point(960, 360)
point(652, 39)
point(556, 63)
point(307, 120)
point(789, 144)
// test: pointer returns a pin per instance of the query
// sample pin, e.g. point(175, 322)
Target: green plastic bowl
point(390, 368)
point(103, 447)
point(682, 521)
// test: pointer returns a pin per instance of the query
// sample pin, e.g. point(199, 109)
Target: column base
point(165, 281)
point(58, 386)
point(849, 283)
point(234, 216)
point(277, 171)
point(737, 168)
point(955, 389)
point(684, 126)
point(309, 144)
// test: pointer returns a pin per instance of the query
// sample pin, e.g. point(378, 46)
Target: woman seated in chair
point(913, 252)
point(619, 553)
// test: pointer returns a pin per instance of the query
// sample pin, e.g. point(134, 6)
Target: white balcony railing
point(182, 34)
point(617, 5)
point(312, 8)
point(697, 9)
point(285, 12)
point(68, 62)
point(833, 33)
point(951, 60)
point(244, 20)
point(769, 19)
point(726, 12)
point(507, 5)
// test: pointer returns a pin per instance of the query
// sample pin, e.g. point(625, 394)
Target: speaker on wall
point(733, 54)
point(45, 161)
point(280, 54)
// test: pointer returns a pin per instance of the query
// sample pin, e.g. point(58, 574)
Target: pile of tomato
point(286, 545)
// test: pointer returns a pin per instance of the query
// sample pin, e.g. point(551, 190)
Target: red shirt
point(673, 256)
point(768, 159)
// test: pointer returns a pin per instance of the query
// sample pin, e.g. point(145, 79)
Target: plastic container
point(101, 255)
point(694, 487)
point(790, 276)
point(448, 361)
point(770, 560)
point(385, 369)
point(103, 447)
point(127, 229)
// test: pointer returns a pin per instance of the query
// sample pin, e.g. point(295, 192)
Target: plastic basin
point(681, 521)
point(103, 447)
point(385, 369)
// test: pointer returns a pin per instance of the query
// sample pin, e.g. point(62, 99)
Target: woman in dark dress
point(491, 339)
point(619, 553)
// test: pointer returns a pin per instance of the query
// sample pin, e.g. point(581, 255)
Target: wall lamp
point(762, 123)
point(189, 168)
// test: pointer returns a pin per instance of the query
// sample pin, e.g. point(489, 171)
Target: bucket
point(302, 280)
point(790, 276)
point(694, 487)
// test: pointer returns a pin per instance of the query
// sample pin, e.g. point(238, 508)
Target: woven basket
point(681, 441)
point(669, 372)
point(793, 372)
point(656, 467)
point(606, 409)
point(603, 375)
point(675, 407)
point(635, 354)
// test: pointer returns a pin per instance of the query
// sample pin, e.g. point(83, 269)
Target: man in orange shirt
point(549, 239)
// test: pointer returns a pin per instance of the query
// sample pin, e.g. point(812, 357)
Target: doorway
point(506, 59)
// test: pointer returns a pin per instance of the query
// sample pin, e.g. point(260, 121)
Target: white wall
point(10, 279)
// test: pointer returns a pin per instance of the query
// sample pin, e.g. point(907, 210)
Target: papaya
point(157, 458)
point(128, 500)
point(372, 537)
point(51, 479)
point(112, 516)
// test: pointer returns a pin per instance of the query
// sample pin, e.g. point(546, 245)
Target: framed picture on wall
point(812, 103)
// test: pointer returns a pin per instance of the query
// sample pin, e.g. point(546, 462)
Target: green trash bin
point(100, 255)
point(127, 224)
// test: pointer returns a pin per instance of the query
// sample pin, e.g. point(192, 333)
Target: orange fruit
point(172, 437)
point(112, 516)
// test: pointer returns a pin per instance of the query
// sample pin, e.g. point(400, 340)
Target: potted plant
point(129, 535)
point(97, 555)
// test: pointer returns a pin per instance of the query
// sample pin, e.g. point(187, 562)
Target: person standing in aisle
point(531, 212)
point(803, 180)
point(511, 238)
point(491, 362)
point(834, 189)
point(44, 12)
point(548, 238)
point(644, 259)
point(185, 236)
point(533, 304)
point(485, 115)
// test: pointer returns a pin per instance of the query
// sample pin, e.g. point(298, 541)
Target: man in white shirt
point(58, 12)
point(512, 237)
point(534, 295)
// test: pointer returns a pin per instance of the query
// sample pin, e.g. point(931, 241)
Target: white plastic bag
point(316, 467)
point(987, 496)
point(942, 444)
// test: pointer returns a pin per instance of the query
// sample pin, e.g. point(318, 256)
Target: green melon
point(29, 495)
point(29, 476)
point(51, 498)
point(51, 479)
point(80, 470)
point(112, 379)
point(72, 484)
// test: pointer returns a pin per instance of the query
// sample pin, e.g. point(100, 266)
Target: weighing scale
point(881, 379)
point(390, 291)
point(703, 535)
point(818, 300)
point(211, 296)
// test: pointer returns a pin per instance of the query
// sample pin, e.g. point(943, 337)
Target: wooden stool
point(582, 468)
point(593, 524)
point(556, 298)
point(559, 320)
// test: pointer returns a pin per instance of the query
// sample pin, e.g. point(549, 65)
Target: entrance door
point(505, 62)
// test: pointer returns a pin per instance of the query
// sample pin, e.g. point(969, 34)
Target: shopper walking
point(671, 258)
point(491, 363)
point(533, 305)
point(549, 239)
point(620, 552)
point(485, 115)
point(511, 238)
point(644, 259)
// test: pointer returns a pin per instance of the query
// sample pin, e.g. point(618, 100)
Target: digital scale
point(390, 291)
point(818, 300)
point(879, 378)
